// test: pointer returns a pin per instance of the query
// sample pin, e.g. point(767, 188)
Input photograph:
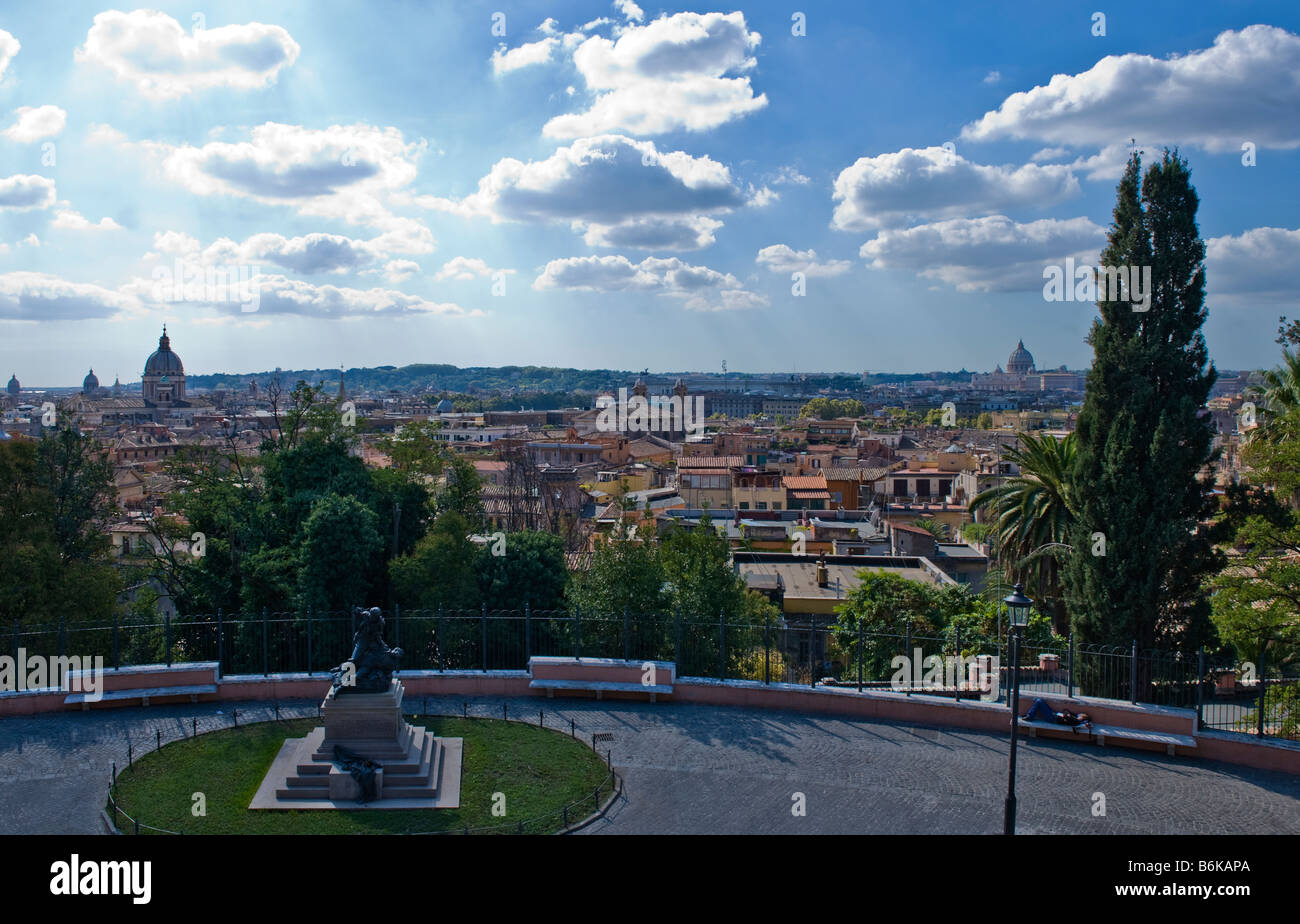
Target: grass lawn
point(539, 771)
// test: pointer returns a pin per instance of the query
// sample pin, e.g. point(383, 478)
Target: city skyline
point(582, 179)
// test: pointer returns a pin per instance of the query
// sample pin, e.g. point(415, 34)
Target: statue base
point(412, 768)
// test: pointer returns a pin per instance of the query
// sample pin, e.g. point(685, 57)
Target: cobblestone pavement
point(704, 769)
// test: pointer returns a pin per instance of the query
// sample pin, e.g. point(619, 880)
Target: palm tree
point(1033, 513)
point(1279, 396)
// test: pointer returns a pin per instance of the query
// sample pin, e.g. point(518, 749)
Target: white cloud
point(699, 287)
point(788, 175)
point(463, 268)
point(308, 254)
point(342, 172)
point(153, 51)
point(400, 270)
point(630, 10)
point(549, 26)
point(668, 75)
point(692, 232)
point(1243, 88)
point(612, 187)
point(9, 47)
point(504, 61)
point(992, 254)
point(26, 296)
point(35, 123)
point(1106, 164)
point(993, 77)
point(71, 220)
point(279, 295)
point(932, 183)
point(781, 258)
point(24, 191)
point(1047, 155)
point(1258, 264)
point(99, 133)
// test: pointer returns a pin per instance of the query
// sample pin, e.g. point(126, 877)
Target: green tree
point(1279, 396)
point(1033, 516)
point(338, 552)
point(442, 568)
point(531, 571)
point(1142, 442)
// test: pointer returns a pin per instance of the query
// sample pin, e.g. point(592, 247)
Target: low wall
point(918, 709)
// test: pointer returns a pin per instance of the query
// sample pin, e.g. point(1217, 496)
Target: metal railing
point(1257, 701)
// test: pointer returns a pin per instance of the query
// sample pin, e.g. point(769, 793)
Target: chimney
point(823, 576)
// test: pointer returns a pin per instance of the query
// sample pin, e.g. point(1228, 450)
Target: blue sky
point(613, 185)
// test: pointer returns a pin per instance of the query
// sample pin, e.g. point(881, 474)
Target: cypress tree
point(1143, 440)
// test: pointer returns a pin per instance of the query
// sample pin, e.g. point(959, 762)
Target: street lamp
point(1018, 606)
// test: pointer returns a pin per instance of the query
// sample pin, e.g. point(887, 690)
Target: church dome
point(163, 361)
point(1020, 361)
point(90, 383)
point(13, 387)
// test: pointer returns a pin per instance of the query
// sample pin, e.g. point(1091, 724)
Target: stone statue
point(371, 665)
point(362, 769)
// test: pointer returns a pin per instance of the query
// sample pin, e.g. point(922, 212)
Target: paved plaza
point(692, 769)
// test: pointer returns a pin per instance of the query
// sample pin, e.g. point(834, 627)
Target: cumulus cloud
point(1243, 88)
point(933, 183)
point(992, 254)
point(400, 270)
point(1259, 263)
point(993, 77)
point(668, 75)
point(24, 191)
point(307, 254)
point(630, 10)
point(71, 220)
point(464, 268)
point(342, 172)
point(699, 287)
point(36, 122)
point(611, 187)
point(504, 61)
point(279, 295)
point(781, 258)
point(163, 61)
point(788, 175)
point(9, 47)
point(26, 296)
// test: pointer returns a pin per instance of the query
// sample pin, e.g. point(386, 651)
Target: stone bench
point(146, 683)
point(193, 692)
point(1101, 733)
point(601, 676)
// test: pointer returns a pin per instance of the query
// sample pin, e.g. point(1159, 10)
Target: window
point(776, 506)
point(744, 505)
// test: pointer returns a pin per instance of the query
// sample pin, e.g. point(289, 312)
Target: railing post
point(309, 640)
point(63, 635)
point(221, 642)
point(767, 649)
point(627, 636)
point(956, 678)
point(1263, 686)
point(907, 650)
point(577, 632)
point(859, 654)
point(722, 644)
point(17, 660)
point(1133, 674)
point(677, 642)
point(483, 634)
point(1200, 686)
point(116, 660)
point(397, 625)
point(266, 657)
point(167, 637)
point(438, 636)
point(528, 632)
point(1069, 674)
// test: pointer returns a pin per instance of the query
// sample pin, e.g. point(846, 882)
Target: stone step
point(316, 792)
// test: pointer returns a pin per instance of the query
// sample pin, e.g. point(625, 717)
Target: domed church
point(1021, 361)
point(163, 383)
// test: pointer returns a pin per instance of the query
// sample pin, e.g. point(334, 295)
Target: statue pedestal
point(415, 769)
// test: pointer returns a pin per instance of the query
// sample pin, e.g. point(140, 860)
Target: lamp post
point(1018, 606)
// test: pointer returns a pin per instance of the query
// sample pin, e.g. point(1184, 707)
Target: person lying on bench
point(1040, 711)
